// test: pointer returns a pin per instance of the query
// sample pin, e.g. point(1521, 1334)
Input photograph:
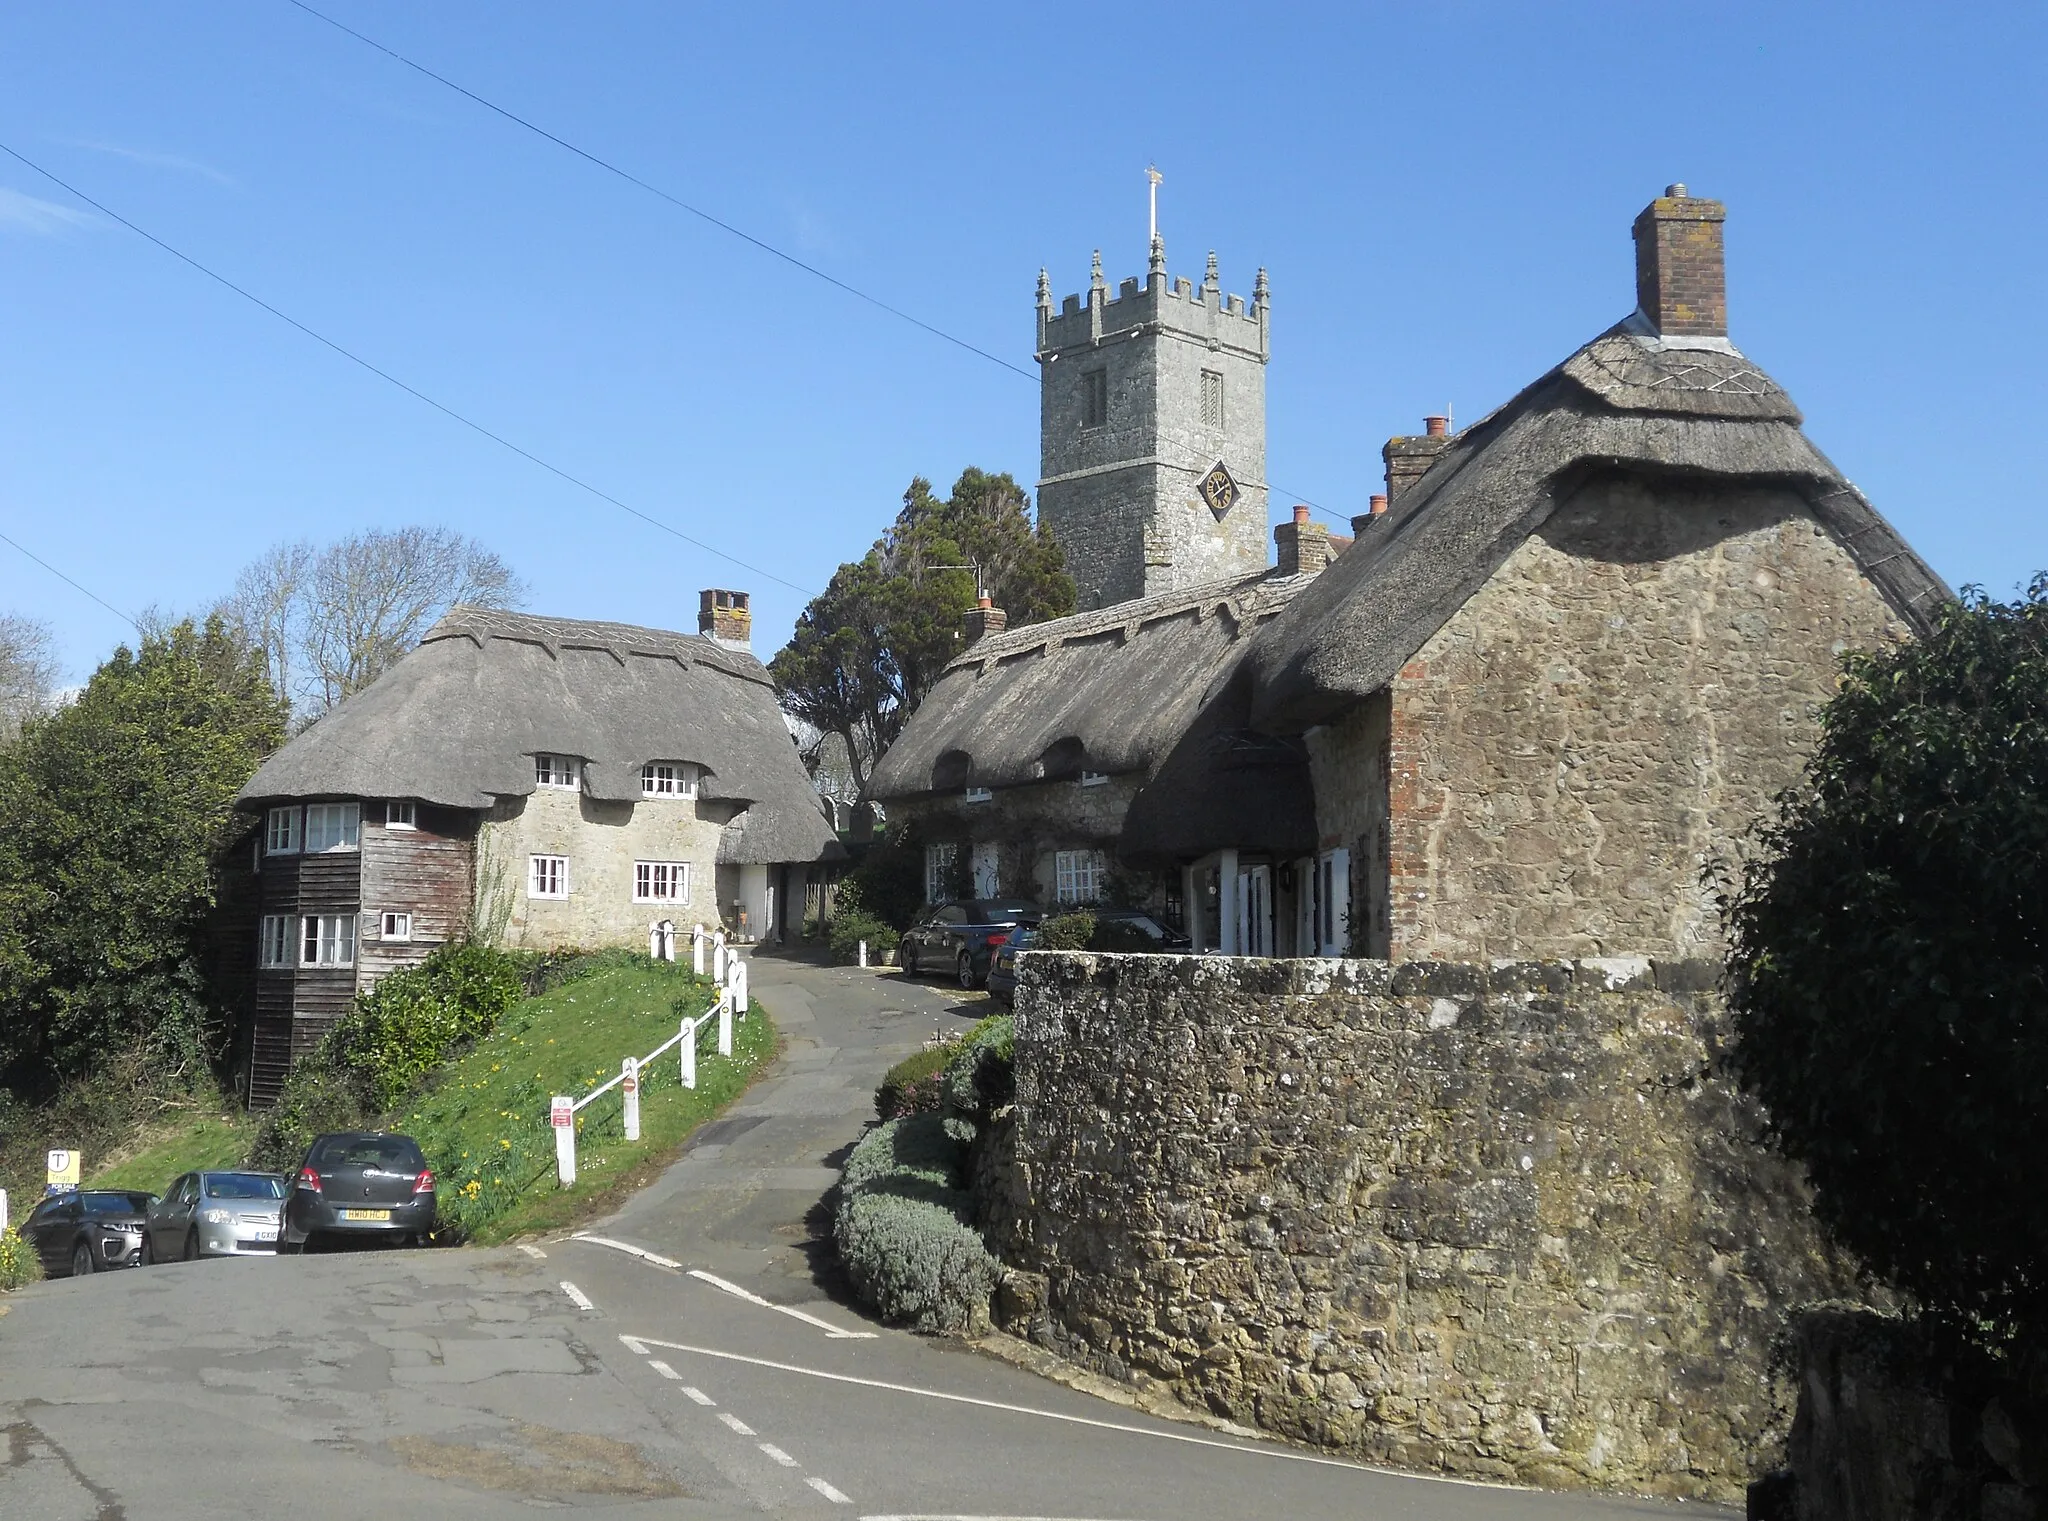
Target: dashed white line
point(533, 1251)
point(698, 1395)
point(828, 1492)
point(779, 1455)
point(736, 1423)
point(781, 1309)
point(626, 1246)
point(582, 1299)
point(662, 1368)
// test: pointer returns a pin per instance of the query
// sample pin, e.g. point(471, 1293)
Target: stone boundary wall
point(1501, 1221)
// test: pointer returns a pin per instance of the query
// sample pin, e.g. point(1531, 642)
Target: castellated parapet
point(1142, 395)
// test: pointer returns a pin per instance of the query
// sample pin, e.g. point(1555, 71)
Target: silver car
point(214, 1214)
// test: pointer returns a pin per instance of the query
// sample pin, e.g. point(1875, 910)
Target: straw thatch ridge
point(1623, 402)
point(1111, 691)
point(458, 721)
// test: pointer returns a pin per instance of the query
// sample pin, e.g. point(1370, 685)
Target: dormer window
point(556, 771)
point(281, 832)
point(668, 779)
point(1094, 778)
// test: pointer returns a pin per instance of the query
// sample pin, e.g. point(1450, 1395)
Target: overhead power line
point(382, 374)
point(127, 618)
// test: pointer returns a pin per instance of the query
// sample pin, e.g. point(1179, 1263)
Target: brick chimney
point(1304, 546)
point(1681, 270)
point(1409, 456)
point(726, 617)
point(983, 619)
point(1365, 520)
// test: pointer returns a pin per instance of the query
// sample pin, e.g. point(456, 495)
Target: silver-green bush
point(905, 1232)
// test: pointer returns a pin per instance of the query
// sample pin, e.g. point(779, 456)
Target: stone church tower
point(1152, 432)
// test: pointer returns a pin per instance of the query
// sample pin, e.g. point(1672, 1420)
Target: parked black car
point(88, 1230)
point(1002, 967)
point(359, 1186)
point(963, 935)
point(1133, 930)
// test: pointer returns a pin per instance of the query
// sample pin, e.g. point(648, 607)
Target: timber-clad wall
point(427, 872)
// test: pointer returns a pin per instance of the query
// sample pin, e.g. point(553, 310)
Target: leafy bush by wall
point(1066, 932)
point(905, 1229)
point(18, 1261)
point(850, 929)
point(913, 1085)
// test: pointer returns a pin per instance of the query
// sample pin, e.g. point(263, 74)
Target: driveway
point(691, 1361)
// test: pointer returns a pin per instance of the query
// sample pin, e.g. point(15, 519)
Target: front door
point(987, 878)
point(1255, 911)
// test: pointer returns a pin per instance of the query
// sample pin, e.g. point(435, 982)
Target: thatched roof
point(459, 720)
point(1628, 401)
point(1112, 690)
point(1224, 786)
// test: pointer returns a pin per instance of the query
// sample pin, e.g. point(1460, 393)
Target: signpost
point(629, 1086)
point(63, 1172)
point(562, 1115)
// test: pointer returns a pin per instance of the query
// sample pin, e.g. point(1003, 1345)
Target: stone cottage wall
point(1499, 1222)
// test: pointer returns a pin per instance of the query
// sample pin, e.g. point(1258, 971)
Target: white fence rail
point(731, 973)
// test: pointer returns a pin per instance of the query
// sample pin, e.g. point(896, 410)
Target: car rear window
point(244, 1185)
point(114, 1204)
point(990, 910)
point(386, 1153)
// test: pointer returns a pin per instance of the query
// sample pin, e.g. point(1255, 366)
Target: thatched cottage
point(545, 781)
point(1565, 669)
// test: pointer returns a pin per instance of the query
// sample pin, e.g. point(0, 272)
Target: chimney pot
point(1303, 547)
point(1436, 427)
point(1379, 503)
point(1677, 191)
point(1681, 265)
point(985, 602)
point(726, 616)
point(1300, 513)
point(982, 620)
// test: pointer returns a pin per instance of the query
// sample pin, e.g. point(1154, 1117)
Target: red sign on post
point(562, 1113)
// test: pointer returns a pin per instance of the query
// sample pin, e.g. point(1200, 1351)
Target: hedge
point(905, 1232)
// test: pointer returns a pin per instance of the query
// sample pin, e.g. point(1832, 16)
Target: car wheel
point(81, 1260)
point(191, 1252)
point(286, 1247)
point(967, 971)
point(909, 962)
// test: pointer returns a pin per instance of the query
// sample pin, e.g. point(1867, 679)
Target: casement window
point(1212, 399)
point(938, 871)
point(1093, 778)
point(327, 940)
point(1077, 876)
point(281, 832)
point(397, 927)
point(275, 945)
point(401, 813)
point(668, 779)
point(661, 881)
point(547, 876)
point(1094, 398)
point(979, 795)
point(332, 826)
point(1333, 902)
point(556, 770)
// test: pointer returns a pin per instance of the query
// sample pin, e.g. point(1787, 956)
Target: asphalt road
point(693, 1362)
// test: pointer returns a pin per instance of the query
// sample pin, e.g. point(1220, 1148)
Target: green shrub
point(913, 1085)
point(1120, 935)
point(910, 1147)
point(981, 1077)
point(905, 1231)
point(19, 1263)
point(1066, 932)
point(848, 930)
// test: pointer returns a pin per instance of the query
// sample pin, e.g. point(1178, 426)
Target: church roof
point(1629, 400)
point(458, 721)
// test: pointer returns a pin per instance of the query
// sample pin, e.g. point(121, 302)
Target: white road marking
point(1244, 1449)
point(828, 1492)
point(626, 1246)
point(736, 1423)
point(976, 1518)
point(635, 1344)
point(663, 1368)
point(582, 1299)
point(779, 1455)
point(698, 1395)
point(533, 1251)
point(781, 1309)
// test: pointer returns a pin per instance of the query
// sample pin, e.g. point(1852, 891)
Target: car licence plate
point(263, 1235)
point(366, 1214)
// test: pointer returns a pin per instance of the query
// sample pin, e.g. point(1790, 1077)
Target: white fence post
point(718, 957)
point(689, 1053)
point(3, 1210)
point(562, 1114)
point(725, 1022)
point(654, 942)
point(863, 953)
point(739, 988)
point(629, 1084)
point(697, 949)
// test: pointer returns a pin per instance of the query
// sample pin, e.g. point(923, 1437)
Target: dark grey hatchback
point(360, 1186)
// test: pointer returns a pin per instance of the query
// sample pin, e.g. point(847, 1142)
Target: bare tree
point(28, 672)
point(268, 608)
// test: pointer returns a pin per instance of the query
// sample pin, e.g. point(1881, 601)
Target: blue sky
point(1441, 191)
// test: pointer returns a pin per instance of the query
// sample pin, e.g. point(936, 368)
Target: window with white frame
point(281, 832)
point(400, 813)
point(668, 779)
point(397, 927)
point(328, 940)
point(332, 826)
point(1077, 876)
point(555, 770)
point(661, 881)
point(938, 871)
point(547, 876)
point(1333, 902)
point(1093, 778)
point(276, 941)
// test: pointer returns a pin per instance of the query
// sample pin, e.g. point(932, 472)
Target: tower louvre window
point(1094, 398)
point(1212, 399)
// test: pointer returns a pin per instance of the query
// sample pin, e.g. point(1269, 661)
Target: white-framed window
point(668, 779)
point(547, 876)
point(397, 927)
point(1212, 399)
point(938, 871)
point(1094, 778)
point(281, 832)
point(556, 770)
point(661, 881)
point(1077, 876)
point(979, 795)
point(327, 940)
point(1333, 902)
point(333, 826)
point(275, 941)
point(401, 813)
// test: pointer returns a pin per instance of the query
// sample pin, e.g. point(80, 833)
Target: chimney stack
point(1304, 546)
point(1408, 456)
point(726, 617)
point(983, 619)
point(1365, 520)
point(1681, 269)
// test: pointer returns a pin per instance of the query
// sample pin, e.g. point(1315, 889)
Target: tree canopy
point(1889, 967)
point(868, 649)
point(112, 809)
point(28, 671)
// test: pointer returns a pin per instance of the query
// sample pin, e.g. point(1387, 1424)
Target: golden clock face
point(1219, 490)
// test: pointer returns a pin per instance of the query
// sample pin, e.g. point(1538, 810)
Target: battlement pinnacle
point(1096, 283)
point(1158, 261)
point(1261, 296)
point(1044, 290)
point(1211, 284)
